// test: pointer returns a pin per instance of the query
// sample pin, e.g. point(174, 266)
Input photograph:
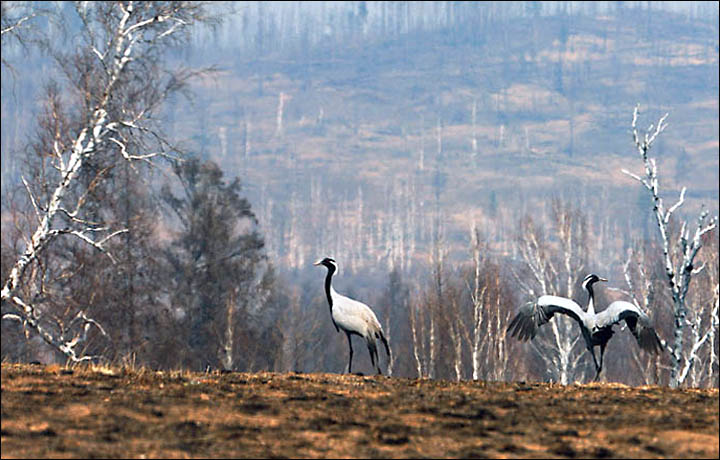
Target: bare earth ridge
point(51, 411)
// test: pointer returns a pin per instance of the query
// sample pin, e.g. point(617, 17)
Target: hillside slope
point(360, 149)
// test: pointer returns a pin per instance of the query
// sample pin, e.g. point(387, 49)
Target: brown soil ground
point(99, 412)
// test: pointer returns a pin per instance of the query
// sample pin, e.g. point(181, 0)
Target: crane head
point(329, 262)
point(591, 279)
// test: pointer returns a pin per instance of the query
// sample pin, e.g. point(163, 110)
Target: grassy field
point(99, 412)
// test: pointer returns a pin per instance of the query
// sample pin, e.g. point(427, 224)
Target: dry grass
point(131, 411)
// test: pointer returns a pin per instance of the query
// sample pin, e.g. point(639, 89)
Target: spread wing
point(533, 315)
point(637, 321)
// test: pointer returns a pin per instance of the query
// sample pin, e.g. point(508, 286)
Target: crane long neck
point(591, 299)
point(328, 287)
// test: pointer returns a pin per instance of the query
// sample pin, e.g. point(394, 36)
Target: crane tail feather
point(385, 343)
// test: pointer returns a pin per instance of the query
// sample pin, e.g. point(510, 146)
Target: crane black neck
point(328, 281)
point(591, 294)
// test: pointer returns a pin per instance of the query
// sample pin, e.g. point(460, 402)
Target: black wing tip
point(649, 341)
point(646, 335)
point(522, 327)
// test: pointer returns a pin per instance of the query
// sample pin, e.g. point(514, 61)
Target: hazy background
point(371, 131)
point(394, 112)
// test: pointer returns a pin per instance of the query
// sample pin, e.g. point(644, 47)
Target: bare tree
point(19, 27)
point(478, 302)
point(416, 315)
point(437, 294)
point(396, 310)
point(114, 77)
point(309, 343)
point(491, 312)
point(642, 286)
point(555, 271)
point(646, 280)
point(454, 331)
point(475, 317)
point(678, 257)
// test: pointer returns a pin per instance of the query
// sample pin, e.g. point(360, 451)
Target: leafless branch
point(679, 275)
point(117, 34)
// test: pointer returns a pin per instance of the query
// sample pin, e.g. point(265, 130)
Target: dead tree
point(478, 301)
point(641, 291)
point(485, 325)
point(302, 325)
point(550, 270)
point(416, 315)
point(119, 87)
point(679, 253)
point(19, 27)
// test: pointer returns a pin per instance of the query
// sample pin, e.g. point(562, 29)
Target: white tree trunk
point(132, 28)
point(478, 297)
point(279, 117)
point(417, 332)
point(226, 352)
point(678, 277)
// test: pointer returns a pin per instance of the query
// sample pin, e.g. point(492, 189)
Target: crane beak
point(601, 279)
point(318, 262)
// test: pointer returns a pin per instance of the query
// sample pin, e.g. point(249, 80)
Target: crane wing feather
point(354, 316)
point(533, 315)
point(637, 321)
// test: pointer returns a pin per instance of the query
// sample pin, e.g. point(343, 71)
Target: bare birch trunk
point(279, 117)
point(130, 29)
point(477, 299)
point(226, 355)
point(418, 343)
point(247, 128)
point(457, 342)
point(388, 337)
point(473, 141)
point(679, 276)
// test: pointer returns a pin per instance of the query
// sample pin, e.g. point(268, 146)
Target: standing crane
point(596, 327)
point(353, 317)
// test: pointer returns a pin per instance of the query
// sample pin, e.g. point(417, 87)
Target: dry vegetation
point(102, 412)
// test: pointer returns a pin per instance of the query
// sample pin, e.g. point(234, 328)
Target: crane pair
point(355, 317)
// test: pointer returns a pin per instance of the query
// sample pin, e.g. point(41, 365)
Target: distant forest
point(370, 116)
point(444, 153)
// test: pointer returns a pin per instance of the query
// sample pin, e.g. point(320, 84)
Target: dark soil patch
point(93, 412)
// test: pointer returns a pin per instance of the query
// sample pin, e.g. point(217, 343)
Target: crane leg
point(597, 367)
point(377, 361)
point(602, 353)
point(351, 353)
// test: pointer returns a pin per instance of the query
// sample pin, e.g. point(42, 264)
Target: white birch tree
point(417, 329)
point(554, 271)
point(478, 299)
point(679, 258)
point(641, 291)
point(19, 27)
point(114, 74)
point(489, 316)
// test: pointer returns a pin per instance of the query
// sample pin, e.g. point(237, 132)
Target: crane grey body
point(353, 317)
point(596, 327)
